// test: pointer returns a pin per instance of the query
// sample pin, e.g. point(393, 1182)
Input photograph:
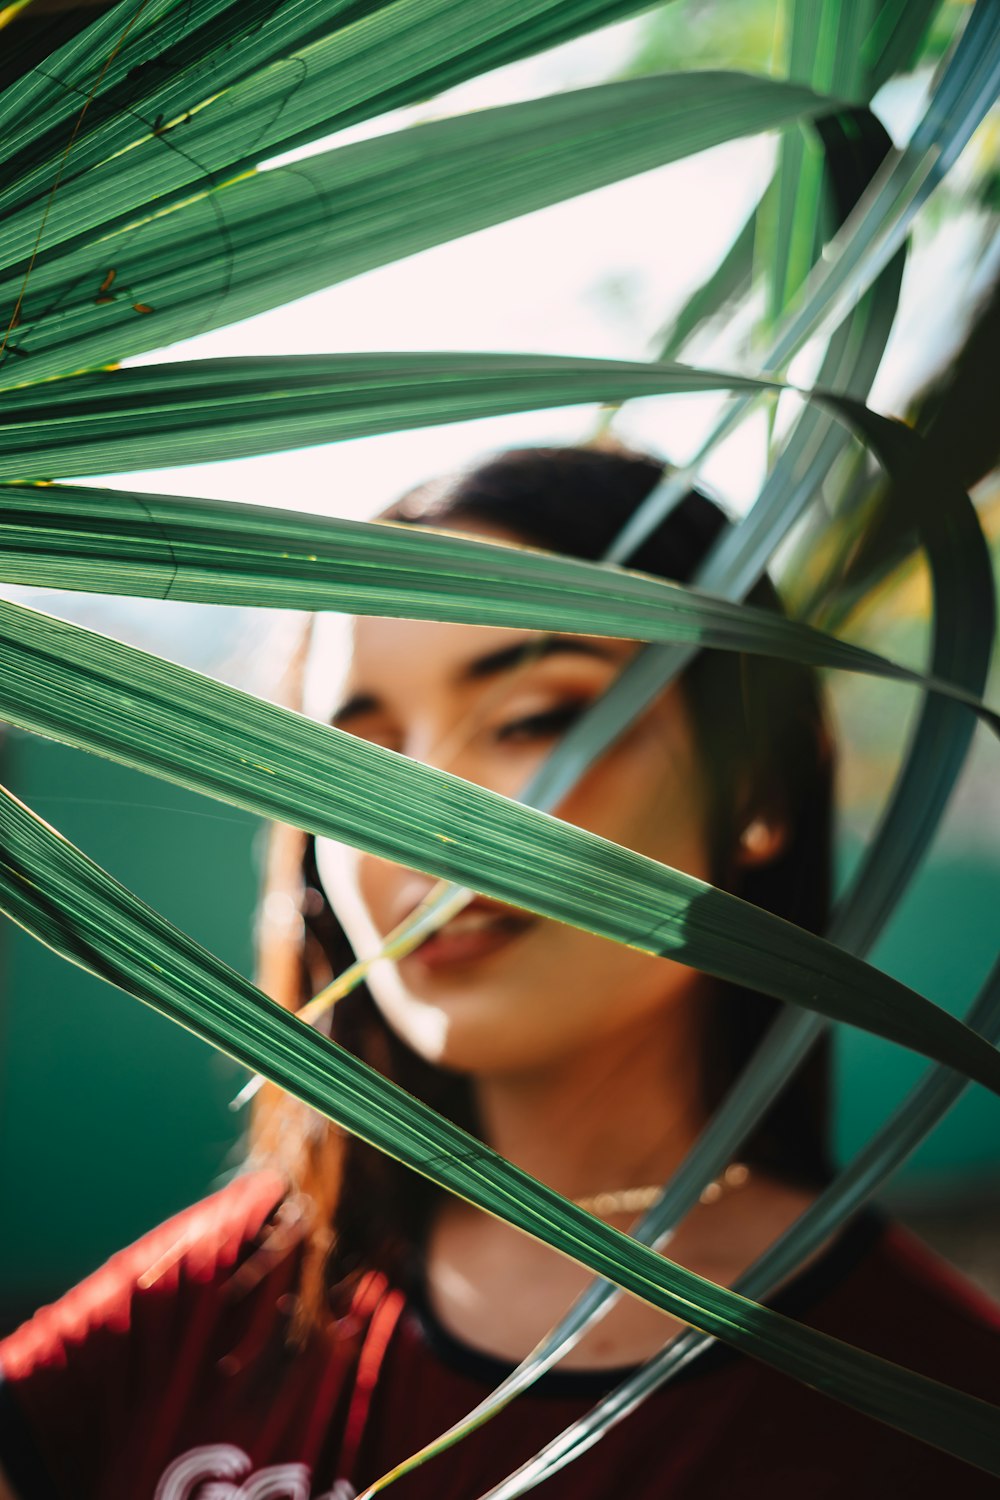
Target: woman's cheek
point(631, 802)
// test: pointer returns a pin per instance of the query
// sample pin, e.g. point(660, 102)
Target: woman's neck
point(622, 1113)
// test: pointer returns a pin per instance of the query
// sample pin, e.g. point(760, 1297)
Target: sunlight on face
point(493, 993)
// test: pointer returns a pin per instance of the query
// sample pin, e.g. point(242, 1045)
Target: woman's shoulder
point(907, 1303)
point(916, 1264)
point(184, 1255)
point(170, 1346)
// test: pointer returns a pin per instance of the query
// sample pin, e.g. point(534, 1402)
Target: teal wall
point(942, 941)
point(113, 1117)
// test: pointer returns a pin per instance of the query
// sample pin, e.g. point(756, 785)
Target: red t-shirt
point(165, 1376)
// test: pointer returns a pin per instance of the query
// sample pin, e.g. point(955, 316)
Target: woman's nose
point(457, 750)
point(442, 751)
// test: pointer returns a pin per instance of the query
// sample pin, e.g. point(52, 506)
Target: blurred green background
point(111, 1116)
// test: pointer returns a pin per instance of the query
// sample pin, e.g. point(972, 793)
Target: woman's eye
point(538, 726)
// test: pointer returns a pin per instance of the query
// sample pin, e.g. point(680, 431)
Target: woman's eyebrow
point(541, 646)
point(358, 703)
point(491, 665)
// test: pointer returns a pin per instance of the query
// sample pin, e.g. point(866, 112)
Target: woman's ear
point(762, 840)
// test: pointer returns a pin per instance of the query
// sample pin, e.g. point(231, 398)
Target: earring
point(757, 836)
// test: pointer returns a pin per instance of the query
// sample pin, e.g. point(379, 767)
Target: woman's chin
point(447, 1026)
point(470, 1028)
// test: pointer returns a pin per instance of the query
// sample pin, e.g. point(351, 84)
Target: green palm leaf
point(145, 231)
point(866, 243)
point(963, 603)
point(936, 1092)
point(215, 552)
point(264, 237)
point(789, 237)
point(197, 93)
point(87, 690)
point(897, 28)
point(194, 411)
point(50, 888)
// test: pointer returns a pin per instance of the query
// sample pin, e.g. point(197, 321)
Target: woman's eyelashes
point(526, 728)
point(542, 725)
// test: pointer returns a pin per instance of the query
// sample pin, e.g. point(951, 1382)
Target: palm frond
point(70, 903)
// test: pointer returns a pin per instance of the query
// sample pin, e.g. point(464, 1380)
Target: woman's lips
point(473, 934)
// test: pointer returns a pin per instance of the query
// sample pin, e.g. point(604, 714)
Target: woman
point(328, 1312)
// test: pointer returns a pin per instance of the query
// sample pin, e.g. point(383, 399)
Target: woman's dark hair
point(761, 731)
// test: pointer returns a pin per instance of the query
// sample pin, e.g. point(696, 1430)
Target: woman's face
point(499, 991)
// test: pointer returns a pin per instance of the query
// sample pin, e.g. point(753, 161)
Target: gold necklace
point(638, 1199)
